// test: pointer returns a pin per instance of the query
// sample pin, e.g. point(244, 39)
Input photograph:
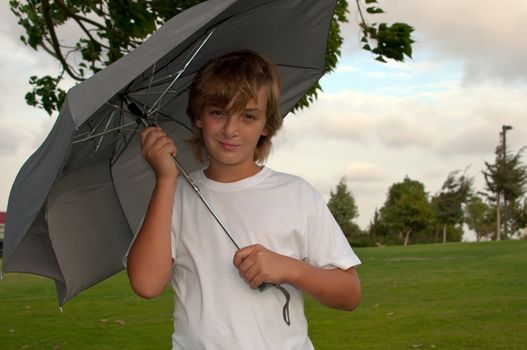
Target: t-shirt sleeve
point(327, 246)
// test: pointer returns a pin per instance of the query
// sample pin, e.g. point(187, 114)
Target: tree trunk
point(498, 217)
point(407, 237)
point(444, 233)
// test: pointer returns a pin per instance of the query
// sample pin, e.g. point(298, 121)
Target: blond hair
point(236, 77)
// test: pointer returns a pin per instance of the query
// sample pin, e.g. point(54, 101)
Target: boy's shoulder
point(286, 177)
point(290, 181)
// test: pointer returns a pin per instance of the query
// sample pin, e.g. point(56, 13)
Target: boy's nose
point(230, 128)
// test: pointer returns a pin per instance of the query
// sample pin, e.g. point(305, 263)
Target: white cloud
point(483, 34)
point(346, 69)
point(401, 132)
point(360, 172)
point(11, 140)
point(352, 128)
point(469, 140)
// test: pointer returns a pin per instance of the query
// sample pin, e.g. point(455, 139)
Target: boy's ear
point(197, 123)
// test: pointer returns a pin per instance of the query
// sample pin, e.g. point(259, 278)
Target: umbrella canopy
point(78, 200)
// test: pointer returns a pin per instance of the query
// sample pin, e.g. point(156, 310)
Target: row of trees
point(410, 215)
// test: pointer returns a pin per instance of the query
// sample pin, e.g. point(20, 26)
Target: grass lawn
point(454, 296)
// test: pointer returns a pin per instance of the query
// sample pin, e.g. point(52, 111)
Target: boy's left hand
point(258, 265)
point(333, 287)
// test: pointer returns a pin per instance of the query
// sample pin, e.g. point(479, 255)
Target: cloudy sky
point(374, 123)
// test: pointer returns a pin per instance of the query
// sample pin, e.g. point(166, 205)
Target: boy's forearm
point(335, 288)
point(150, 257)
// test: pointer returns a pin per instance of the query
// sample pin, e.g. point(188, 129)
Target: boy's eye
point(248, 116)
point(217, 112)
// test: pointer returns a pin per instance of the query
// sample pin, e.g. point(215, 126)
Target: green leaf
point(374, 10)
point(45, 93)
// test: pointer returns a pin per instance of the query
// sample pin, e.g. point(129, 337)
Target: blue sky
point(374, 123)
point(361, 72)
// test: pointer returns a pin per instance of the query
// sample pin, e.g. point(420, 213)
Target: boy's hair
point(236, 77)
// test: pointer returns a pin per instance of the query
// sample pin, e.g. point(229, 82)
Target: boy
point(287, 234)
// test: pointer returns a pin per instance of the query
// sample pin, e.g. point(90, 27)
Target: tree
point(480, 217)
point(111, 28)
point(344, 209)
point(506, 178)
point(448, 203)
point(406, 210)
point(518, 216)
point(377, 230)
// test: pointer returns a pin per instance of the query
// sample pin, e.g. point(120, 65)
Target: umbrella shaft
point(262, 287)
point(196, 189)
point(142, 120)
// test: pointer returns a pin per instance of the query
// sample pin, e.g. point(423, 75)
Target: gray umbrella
point(78, 200)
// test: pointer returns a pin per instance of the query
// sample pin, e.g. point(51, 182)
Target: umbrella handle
point(264, 286)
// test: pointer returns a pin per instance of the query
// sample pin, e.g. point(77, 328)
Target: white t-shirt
point(215, 308)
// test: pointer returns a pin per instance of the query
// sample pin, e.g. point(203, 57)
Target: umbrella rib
point(105, 131)
point(121, 127)
point(175, 121)
point(158, 82)
point(167, 102)
point(91, 131)
point(163, 114)
point(141, 93)
point(81, 137)
point(188, 60)
point(150, 85)
point(125, 143)
point(155, 83)
point(302, 67)
point(96, 126)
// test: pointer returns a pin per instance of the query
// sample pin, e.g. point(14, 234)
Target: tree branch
point(54, 40)
point(47, 49)
point(78, 18)
point(363, 20)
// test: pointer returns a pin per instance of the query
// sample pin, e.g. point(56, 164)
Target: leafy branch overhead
point(392, 41)
point(105, 30)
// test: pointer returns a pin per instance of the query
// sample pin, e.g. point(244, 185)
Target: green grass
point(454, 296)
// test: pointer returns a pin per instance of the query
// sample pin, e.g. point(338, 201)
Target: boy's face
point(231, 137)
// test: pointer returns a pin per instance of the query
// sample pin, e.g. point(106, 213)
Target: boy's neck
point(222, 173)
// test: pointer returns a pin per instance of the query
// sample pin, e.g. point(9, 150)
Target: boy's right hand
point(157, 149)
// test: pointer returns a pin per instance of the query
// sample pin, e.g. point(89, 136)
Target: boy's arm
point(336, 288)
point(149, 264)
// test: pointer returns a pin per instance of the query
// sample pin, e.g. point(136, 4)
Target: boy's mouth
point(228, 146)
